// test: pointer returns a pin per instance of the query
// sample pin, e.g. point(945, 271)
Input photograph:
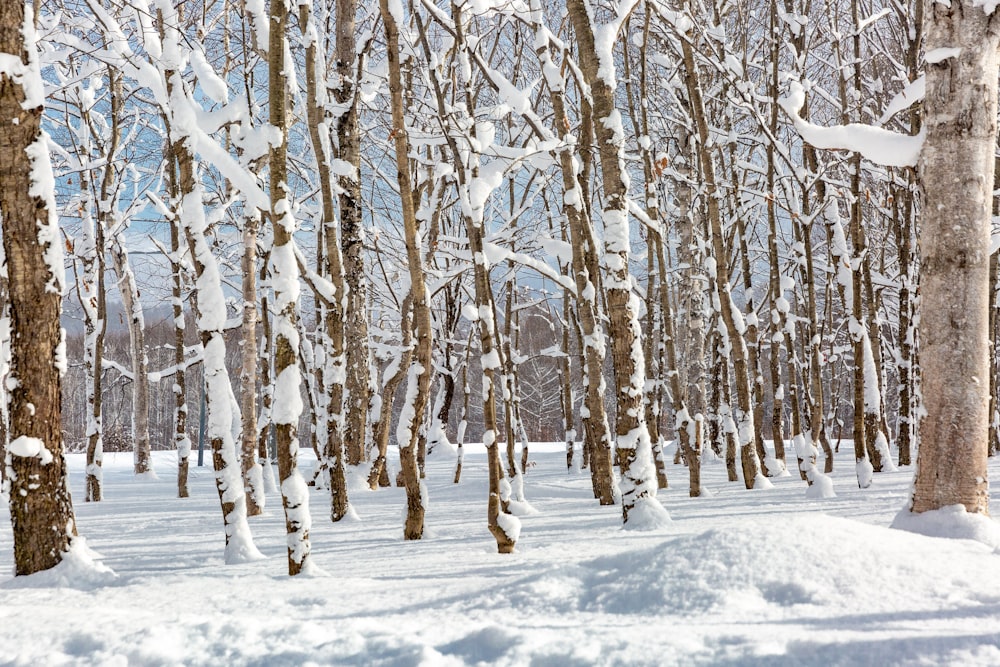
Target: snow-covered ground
point(739, 578)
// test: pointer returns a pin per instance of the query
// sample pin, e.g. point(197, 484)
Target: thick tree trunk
point(956, 166)
point(253, 477)
point(41, 510)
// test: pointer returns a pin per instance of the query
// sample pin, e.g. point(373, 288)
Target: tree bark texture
point(420, 367)
point(41, 509)
point(956, 167)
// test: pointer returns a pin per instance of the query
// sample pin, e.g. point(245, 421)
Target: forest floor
point(764, 577)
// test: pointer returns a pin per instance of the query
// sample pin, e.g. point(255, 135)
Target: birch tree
point(638, 485)
point(420, 368)
point(41, 509)
point(962, 47)
point(285, 281)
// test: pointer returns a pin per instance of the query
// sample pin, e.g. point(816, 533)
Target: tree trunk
point(285, 282)
point(596, 443)
point(638, 472)
point(333, 310)
point(733, 330)
point(181, 440)
point(41, 510)
point(956, 166)
point(419, 373)
point(253, 477)
point(359, 389)
point(129, 290)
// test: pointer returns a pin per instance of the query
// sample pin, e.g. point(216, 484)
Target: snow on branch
point(881, 146)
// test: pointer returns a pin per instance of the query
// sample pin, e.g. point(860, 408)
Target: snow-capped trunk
point(420, 369)
point(513, 425)
point(378, 475)
point(957, 168)
point(253, 474)
point(474, 190)
point(41, 510)
point(182, 442)
point(779, 305)
point(284, 271)
point(180, 112)
point(358, 383)
point(659, 330)
point(634, 450)
point(210, 313)
point(733, 326)
point(135, 322)
point(691, 321)
point(265, 427)
point(91, 290)
point(334, 355)
point(586, 272)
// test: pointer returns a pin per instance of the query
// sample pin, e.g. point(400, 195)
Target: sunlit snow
point(736, 578)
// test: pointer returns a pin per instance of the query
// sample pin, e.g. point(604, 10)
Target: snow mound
point(356, 477)
point(764, 567)
point(775, 467)
point(951, 522)
point(79, 568)
point(442, 449)
point(761, 483)
point(821, 487)
point(648, 514)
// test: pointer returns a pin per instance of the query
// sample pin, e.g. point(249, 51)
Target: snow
point(881, 146)
point(951, 522)
point(939, 55)
point(210, 82)
point(28, 447)
point(80, 568)
point(736, 579)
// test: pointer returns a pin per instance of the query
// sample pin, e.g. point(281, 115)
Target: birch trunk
point(419, 372)
point(333, 312)
point(41, 510)
point(957, 168)
point(596, 443)
point(358, 382)
point(638, 472)
point(285, 282)
point(733, 328)
point(253, 477)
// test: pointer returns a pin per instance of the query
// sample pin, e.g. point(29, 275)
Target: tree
point(41, 509)
point(285, 281)
point(420, 367)
point(632, 437)
point(956, 168)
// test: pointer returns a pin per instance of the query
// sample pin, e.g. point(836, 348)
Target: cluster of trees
point(436, 175)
